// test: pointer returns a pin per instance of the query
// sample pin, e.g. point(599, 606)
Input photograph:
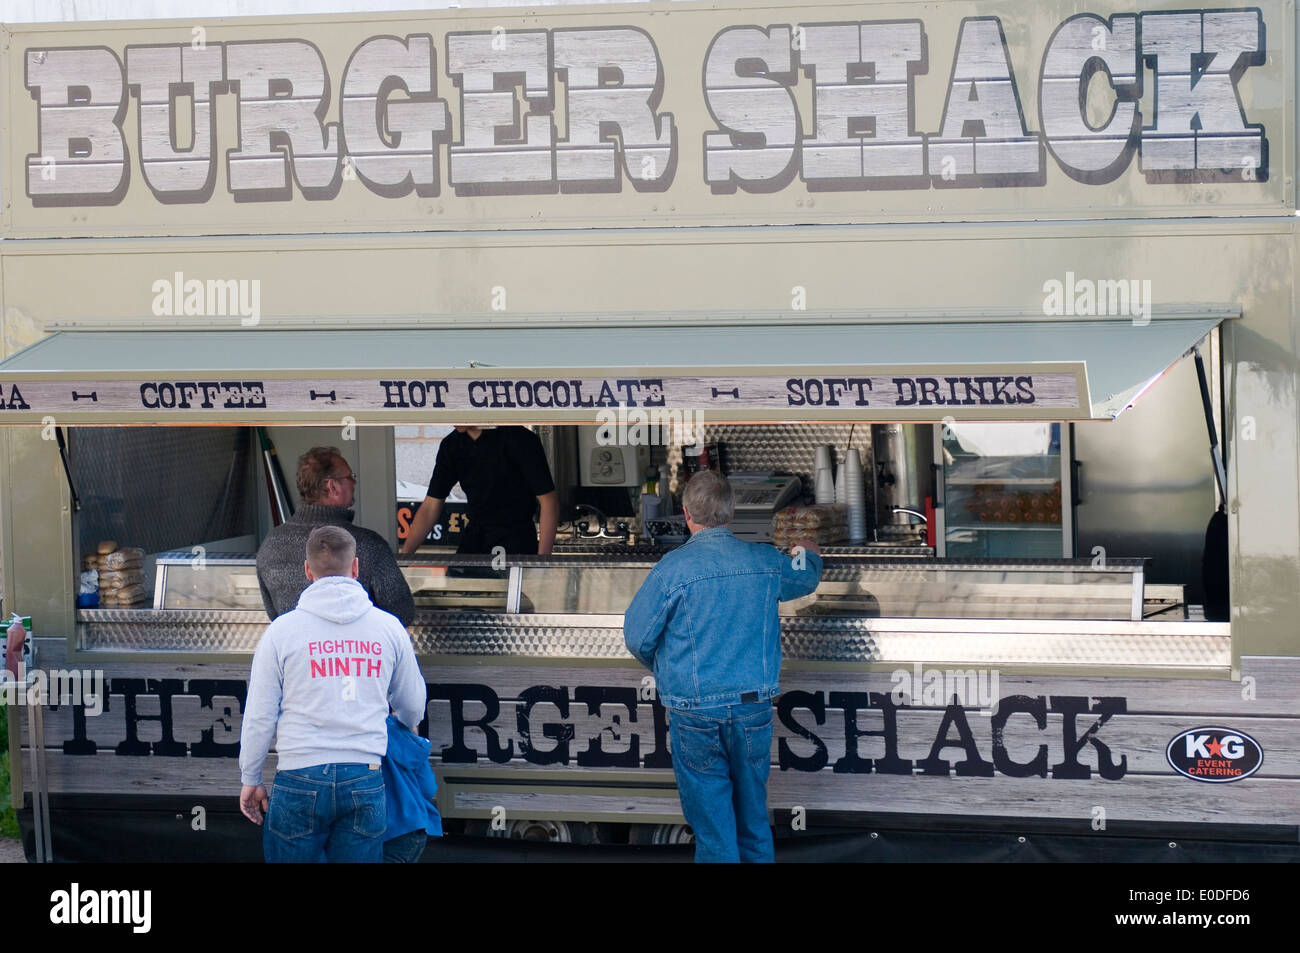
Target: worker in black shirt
point(504, 474)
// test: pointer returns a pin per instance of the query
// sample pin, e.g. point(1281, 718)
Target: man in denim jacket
point(705, 622)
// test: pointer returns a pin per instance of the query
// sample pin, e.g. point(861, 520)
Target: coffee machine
point(903, 456)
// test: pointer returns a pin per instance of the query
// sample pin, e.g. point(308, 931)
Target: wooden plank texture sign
point(973, 392)
point(1038, 747)
point(695, 115)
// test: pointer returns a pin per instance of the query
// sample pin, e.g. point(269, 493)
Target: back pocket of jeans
point(292, 812)
point(700, 749)
point(371, 811)
point(758, 737)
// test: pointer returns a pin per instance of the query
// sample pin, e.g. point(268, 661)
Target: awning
point(925, 371)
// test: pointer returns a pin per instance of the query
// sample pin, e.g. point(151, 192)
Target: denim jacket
point(705, 620)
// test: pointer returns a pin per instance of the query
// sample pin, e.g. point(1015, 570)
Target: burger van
point(1033, 269)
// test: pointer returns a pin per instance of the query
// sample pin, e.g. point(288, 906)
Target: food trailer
point(1035, 264)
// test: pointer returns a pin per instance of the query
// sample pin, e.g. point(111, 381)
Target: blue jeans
point(406, 848)
point(721, 757)
point(328, 812)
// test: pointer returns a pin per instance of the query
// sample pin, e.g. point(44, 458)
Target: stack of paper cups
point(823, 482)
point(855, 496)
point(824, 486)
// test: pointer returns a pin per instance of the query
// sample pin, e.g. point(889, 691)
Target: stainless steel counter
point(867, 609)
point(617, 550)
point(591, 637)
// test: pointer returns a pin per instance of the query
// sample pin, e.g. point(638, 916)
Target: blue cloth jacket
point(705, 619)
point(409, 785)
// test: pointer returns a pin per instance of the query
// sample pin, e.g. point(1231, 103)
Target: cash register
point(759, 495)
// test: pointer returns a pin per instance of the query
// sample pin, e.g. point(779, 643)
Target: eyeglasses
point(346, 476)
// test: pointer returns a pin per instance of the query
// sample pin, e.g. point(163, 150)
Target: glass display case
point(573, 589)
point(190, 580)
point(980, 589)
point(444, 587)
point(1004, 492)
point(186, 580)
point(851, 587)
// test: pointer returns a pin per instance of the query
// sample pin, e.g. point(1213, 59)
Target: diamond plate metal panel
point(977, 642)
point(481, 635)
point(196, 631)
point(783, 449)
point(621, 551)
point(524, 636)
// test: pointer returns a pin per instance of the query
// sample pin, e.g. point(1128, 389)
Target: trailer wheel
point(667, 835)
point(599, 833)
point(555, 832)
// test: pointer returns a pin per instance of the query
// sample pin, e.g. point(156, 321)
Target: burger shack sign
point(620, 112)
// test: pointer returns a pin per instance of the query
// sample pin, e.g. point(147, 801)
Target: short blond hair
point(330, 551)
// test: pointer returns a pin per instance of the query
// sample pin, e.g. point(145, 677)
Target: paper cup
point(824, 487)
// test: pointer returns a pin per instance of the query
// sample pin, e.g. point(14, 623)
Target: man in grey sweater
point(326, 485)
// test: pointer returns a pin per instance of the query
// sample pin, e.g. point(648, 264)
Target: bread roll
point(107, 546)
point(124, 559)
point(119, 579)
point(127, 596)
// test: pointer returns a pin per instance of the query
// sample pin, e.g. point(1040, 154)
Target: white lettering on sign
point(983, 125)
point(283, 98)
point(497, 145)
point(748, 75)
point(861, 133)
point(1080, 47)
point(1199, 58)
point(393, 143)
point(158, 76)
point(855, 128)
point(614, 81)
point(81, 100)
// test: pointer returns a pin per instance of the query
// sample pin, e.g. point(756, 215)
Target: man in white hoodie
point(323, 678)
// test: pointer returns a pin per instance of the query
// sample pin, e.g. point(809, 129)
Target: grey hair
point(709, 499)
point(330, 551)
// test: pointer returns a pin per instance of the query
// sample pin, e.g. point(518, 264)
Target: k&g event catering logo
point(1215, 755)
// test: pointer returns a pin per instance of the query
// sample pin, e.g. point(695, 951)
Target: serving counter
point(867, 609)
